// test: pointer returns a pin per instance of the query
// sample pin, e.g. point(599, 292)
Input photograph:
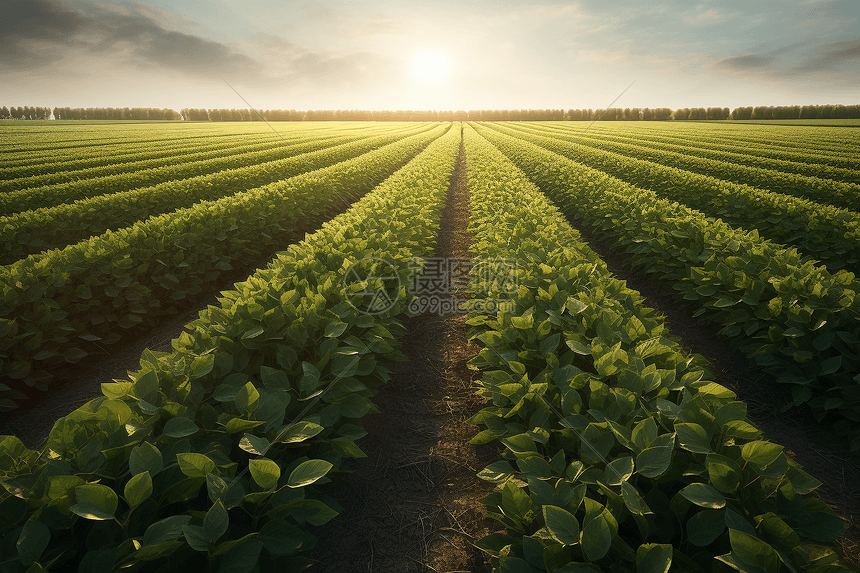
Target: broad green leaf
point(299, 432)
point(597, 534)
point(95, 501)
point(145, 458)
point(265, 472)
point(216, 521)
point(705, 526)
point(704, 495)
point(654, 461)
point(562, 525)
point(241, 559)
point(653, 558)
point(247, 399)
point(202, 365)
point(166, 530)
point(138, 488)
point(618, 470)
point(32, 541)
point(254, 445)
point(145, 384)
point(195, 537)
point(180, 427)
point(761, 453)
point(195, 465)
point(308, 472)
point(693, 438)
point(723, 473)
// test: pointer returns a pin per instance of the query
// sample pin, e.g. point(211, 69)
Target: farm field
point(455, 346)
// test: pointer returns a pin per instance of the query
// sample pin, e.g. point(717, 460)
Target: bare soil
point(806, 441)
point(413, 504)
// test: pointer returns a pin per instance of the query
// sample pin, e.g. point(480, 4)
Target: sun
point(431, 66)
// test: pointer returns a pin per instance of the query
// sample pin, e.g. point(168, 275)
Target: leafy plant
point(618, 452)
point(212, 456)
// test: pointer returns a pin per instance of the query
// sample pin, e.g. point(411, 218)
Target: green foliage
point(618, 451)
point(54, 306)
point(58, 225)
point(219, 460)
point(824, 232)
point(794, 317)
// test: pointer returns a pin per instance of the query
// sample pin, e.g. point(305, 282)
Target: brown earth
point(414, 503)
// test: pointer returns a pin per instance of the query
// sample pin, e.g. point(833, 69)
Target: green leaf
point(202, 365)
point(145, 458)
point(33, 540)
point(705, 526)
point(146, 384)
point(95, 501)
point(653, 558)
point(180, 427)
point(265, 472)
point(216, 521)
point(693, 438)
point(562, 525)
point(308, 472)
point(704, 495)
point(597, 534)
point(655, 460)
point(299, 432)
point(254, 445)
point(335, 329)
point(195, 465)
point(168, 529)
point(196, 537)
point(618, 470)
point(752, 550)
point(247, 398)
point(761, 453)
point(831, 365)
point(241, 559)
point(723, 473)
point(138, 488)
point(633, 500)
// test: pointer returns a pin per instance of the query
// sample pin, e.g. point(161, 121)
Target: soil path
point(810, 444)
point(413, 505)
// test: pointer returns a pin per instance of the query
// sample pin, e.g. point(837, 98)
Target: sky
point(361, 54)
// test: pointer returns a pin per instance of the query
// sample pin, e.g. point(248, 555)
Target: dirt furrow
point(413, 505)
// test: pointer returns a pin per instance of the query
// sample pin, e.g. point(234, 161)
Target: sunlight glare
point(430, 66)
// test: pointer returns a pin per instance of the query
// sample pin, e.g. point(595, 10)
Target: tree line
point(112, 113)
point(611, 114)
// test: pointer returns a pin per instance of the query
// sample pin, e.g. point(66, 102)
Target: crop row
point(763, 149)
point(211, 457)
point(122, 156)
point(618, 452)
point(835, 193)
point(190, 161)
point(55, 306)
point(797, 148)
point(824, 232)
point(29, 232)
point(130, 152)
point(818, 140)
point(805, 164)
point(799, 321)
point(51, 195)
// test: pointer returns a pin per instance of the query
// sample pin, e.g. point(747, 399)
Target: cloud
point(834, 64)
point(745, 63)
point(39, 32)
point(830, 57)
